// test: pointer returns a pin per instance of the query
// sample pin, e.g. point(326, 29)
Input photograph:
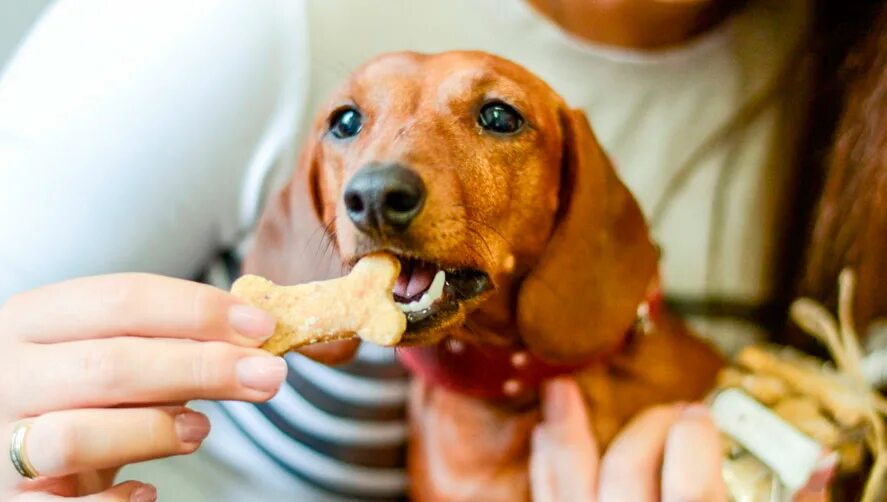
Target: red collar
point(499, 373)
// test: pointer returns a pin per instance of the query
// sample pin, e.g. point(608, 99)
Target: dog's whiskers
point(321, 234)
point(482, 240)
point(330, 249)
point(491, 228)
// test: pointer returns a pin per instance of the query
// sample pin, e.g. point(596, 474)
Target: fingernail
point(556, 399)
point(261, 373)
point(696, 412)
point(144, 493)
point(192, 427)
point(251, 322)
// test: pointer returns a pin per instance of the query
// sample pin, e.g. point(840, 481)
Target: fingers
point(76, 441)
point(132, 304)
point(564, 454)
point(126, 370)
point(630, 468)
point(691, 470)
point(130, 491)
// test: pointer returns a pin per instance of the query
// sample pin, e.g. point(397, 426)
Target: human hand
point(102, 367)
point(668, 453)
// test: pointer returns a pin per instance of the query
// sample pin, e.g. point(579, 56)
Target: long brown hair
point(850, 222)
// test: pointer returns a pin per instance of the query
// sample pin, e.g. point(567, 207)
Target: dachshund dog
point(523, 257)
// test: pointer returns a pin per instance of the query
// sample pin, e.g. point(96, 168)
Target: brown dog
point(518, 242)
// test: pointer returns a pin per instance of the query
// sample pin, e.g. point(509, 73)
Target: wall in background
point(16, 19)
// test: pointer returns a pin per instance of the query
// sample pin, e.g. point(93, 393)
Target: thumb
point(563, 452)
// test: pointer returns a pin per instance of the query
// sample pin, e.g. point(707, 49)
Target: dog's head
point(497, 198)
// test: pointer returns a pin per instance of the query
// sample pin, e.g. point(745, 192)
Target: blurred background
point(16, 17)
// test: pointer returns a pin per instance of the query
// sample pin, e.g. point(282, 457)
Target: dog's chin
point(436, 295)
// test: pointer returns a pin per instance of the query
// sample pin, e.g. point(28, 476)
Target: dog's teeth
point(419, 304)
point(426, 300)
point(423, 302)
point(412, 306)
point(435, 291)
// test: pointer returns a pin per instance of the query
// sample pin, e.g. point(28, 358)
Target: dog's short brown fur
point(542, 212)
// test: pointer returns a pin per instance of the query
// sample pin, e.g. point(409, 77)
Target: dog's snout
point(384, 199)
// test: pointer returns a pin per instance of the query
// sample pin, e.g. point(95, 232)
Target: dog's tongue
point(414, 279)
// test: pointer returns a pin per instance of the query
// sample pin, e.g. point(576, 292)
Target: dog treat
point(360, 303)
point(766, 389)
point(804, 414)
point(818, 381)
point(852, 456)
point(747, 479)
point(793, 456)
point(792, 419)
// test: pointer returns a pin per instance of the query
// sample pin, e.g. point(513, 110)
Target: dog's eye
point(346, 122)
point(499, 117)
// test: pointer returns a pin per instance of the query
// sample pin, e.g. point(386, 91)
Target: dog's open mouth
point(430, 294)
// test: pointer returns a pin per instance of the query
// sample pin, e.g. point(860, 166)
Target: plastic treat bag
point(791, 421)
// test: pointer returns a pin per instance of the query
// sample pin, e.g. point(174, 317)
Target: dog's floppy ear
point(583, 294)
point(292, 246)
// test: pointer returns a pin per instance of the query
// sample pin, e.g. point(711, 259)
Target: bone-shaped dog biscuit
point(360, 303)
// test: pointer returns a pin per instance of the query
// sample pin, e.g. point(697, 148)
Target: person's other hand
point(102, 368)
point(668, 453)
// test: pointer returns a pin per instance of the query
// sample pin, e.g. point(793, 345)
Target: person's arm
point(129, 132)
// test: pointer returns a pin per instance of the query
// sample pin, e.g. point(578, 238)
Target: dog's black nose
point(384, 199)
